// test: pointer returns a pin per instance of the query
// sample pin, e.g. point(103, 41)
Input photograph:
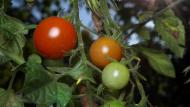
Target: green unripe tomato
point(115, 76)
point(114, 103)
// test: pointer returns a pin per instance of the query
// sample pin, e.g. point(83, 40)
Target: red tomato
point(103, 49)
point(53, 37)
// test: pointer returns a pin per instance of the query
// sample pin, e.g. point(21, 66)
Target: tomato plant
point(103, 49)
point(95, 73)
point(114, 103)
point(53, 37)
point(115, 76)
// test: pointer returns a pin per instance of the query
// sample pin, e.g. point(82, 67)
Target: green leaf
point(172, 32)
point(143, 102)
point(3, 59)
point(9, 99)
point(40, 87)
point(81, 71)
point(34, 58)
point(35, 73)
point(11, 55)
point(53, 92)
point(159, 61)
point(12, 38)
point(12, 29)
point(64, 94)
point(12, 25)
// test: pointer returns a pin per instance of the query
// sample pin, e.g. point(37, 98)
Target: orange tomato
point(103, 49)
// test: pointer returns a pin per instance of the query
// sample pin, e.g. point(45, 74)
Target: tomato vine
point(79, 80)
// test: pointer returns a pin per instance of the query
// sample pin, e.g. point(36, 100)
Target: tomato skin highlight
point(104, 48)
point(115, 76)
point(53, 37)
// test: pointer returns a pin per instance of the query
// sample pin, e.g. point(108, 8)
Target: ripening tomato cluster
point(115, 75)
point(55, 36)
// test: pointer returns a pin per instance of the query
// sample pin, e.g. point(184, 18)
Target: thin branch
point(15, 70)
point(78, 23)
point(135, 27)
point(168, 7)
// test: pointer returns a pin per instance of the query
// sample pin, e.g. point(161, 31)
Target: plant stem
point(89, 94)
point(58, 76)
point(15, 70)
point(82, 25)
point(93, 66)
point(130, 96)
point(138, 84)
point(78, 96)
point(122, 95)
point(78, 23)
point(100, 98)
